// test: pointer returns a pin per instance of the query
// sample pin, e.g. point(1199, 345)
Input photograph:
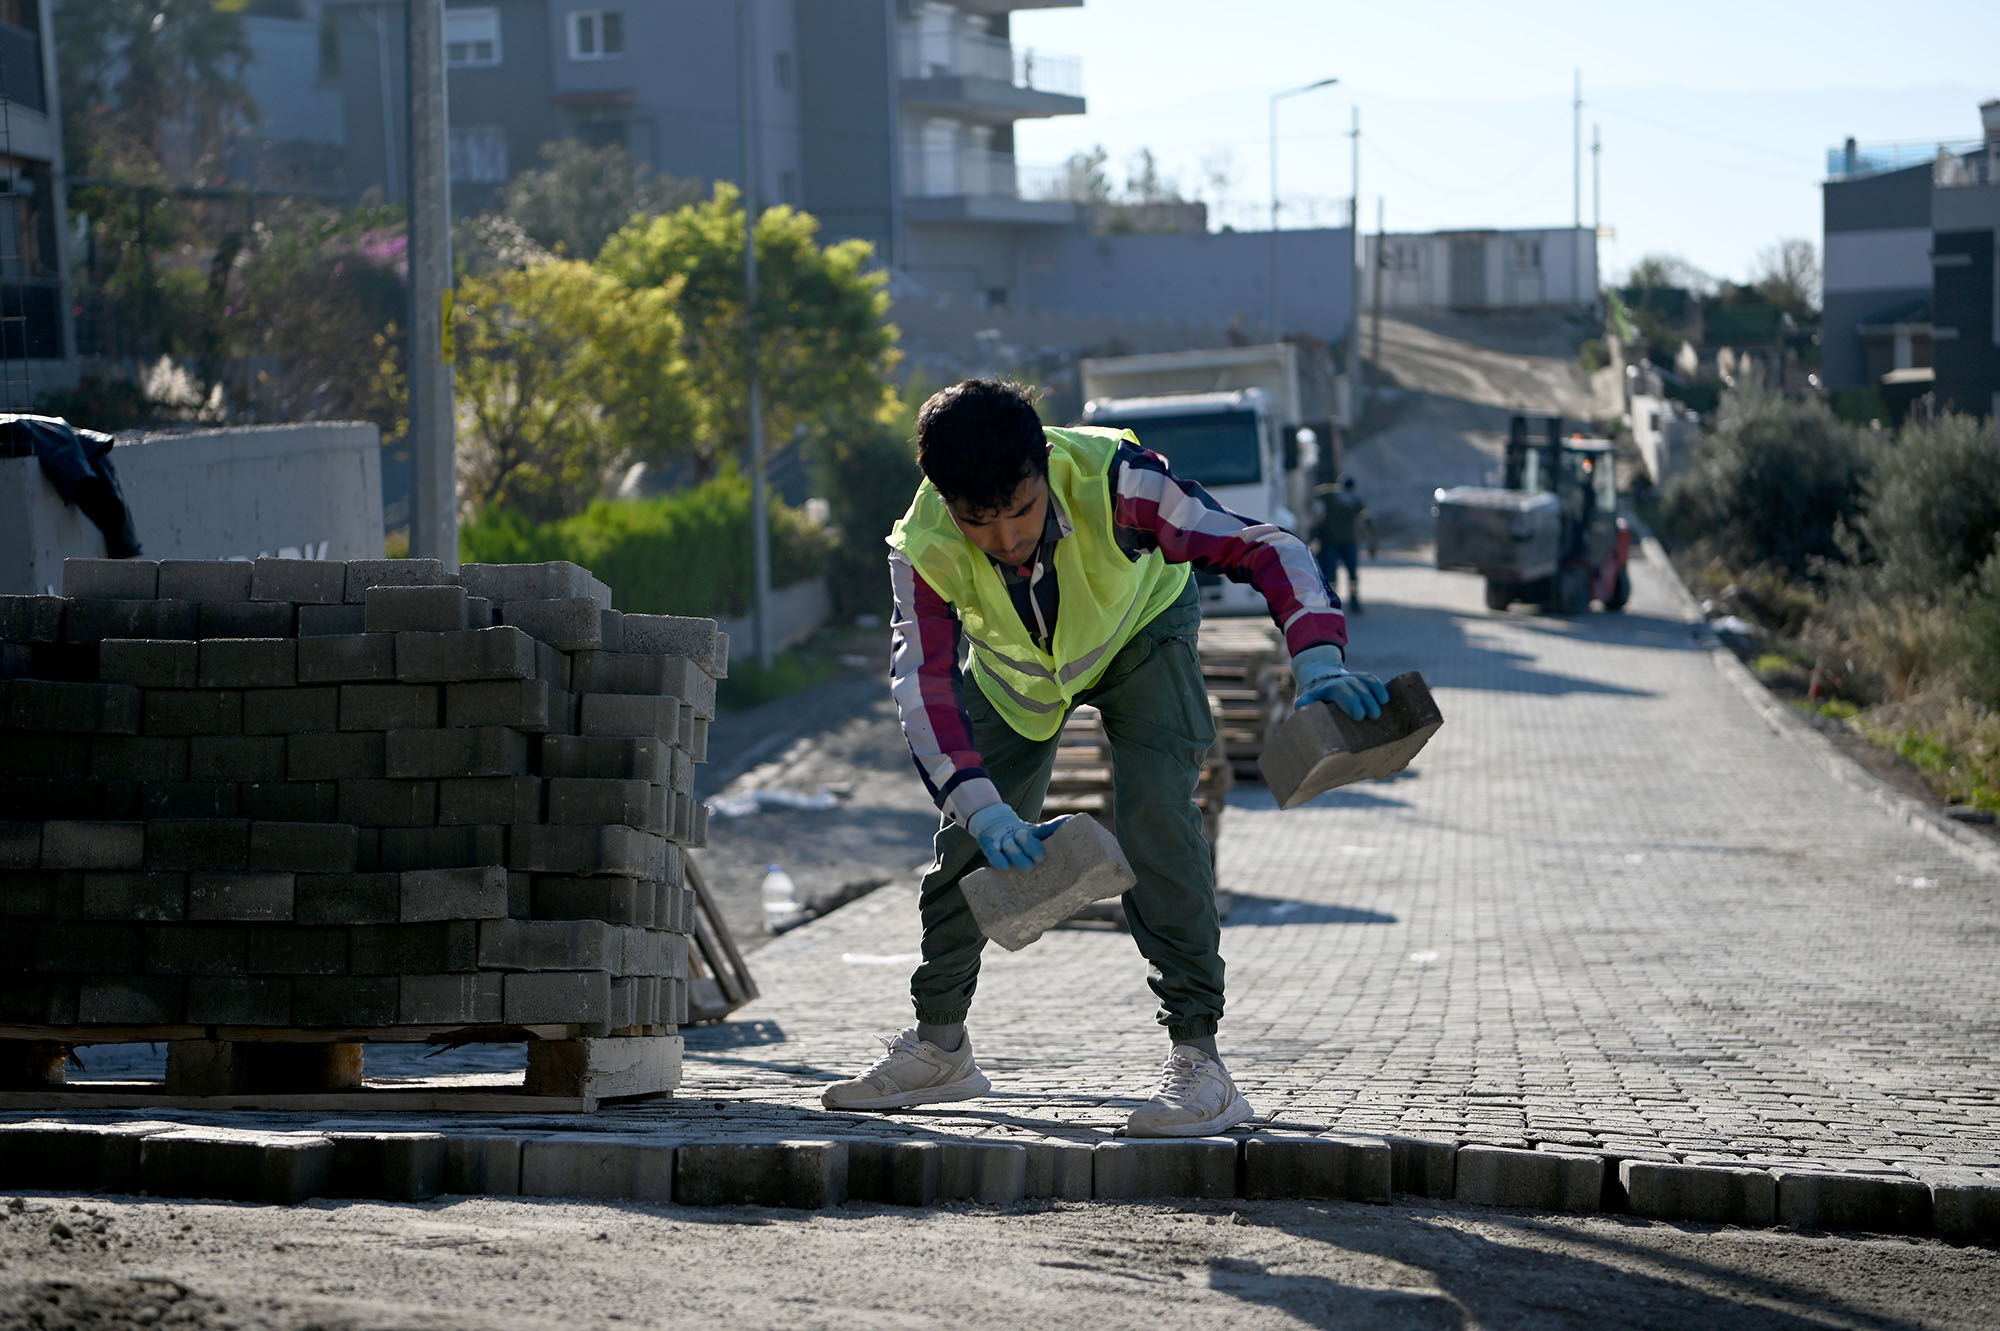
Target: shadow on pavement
point(1466, 1267)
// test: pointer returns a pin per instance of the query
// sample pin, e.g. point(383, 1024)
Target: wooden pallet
point(1248, 673)
point(718, 979)
point(310, 1071)
point(1081, 783)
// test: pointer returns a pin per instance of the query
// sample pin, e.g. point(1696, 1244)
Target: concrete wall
point(1214, 277)
point(1965, 304)
point(847, 76)
point(1664, 435)
point(1875, 262)
point(797, 612)
point(311, 491)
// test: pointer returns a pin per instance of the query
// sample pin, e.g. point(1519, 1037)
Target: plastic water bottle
point(781, 900)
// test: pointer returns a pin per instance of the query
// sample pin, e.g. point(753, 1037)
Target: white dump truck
point(1236, 419)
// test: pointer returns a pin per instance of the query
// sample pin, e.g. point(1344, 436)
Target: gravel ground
point(75, 1263)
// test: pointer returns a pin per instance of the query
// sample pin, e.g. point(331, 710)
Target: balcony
point(964, 185)
point(1877, 159)
point(986, 77)
point(21, 68)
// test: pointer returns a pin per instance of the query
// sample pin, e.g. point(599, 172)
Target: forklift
point(1552, 536)
point(1594, 543)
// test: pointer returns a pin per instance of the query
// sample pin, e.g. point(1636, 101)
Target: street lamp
point(1277, 300)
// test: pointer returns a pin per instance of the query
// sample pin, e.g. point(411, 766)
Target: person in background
point(1342, 522)
point(1038, 569)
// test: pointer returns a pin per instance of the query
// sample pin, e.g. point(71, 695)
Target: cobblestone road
point(1612, 906)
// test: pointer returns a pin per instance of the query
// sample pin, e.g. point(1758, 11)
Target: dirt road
point(92, 1263)
point(1441, 420)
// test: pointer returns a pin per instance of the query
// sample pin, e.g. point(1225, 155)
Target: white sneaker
point(1196, 1098)
point(911, 1072)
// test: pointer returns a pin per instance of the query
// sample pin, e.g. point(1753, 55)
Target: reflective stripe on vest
point(1106, 597)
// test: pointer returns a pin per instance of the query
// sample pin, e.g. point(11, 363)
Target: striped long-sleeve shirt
point(1153, 509)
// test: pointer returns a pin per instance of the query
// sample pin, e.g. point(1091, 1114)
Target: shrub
point(1930, 508)
point(868, 474)
point(1771, 483)
point(686, 553)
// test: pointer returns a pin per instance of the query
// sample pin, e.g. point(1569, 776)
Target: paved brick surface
point(1614, 908)
point(1611, 907)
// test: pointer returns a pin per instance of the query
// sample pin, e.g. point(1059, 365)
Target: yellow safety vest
point(1106, 597)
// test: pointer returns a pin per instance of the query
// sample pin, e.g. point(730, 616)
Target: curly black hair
point(978, 440)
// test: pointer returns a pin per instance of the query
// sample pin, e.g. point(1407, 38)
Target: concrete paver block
point(392, 1166)
point(149, 662)
point(1706, 1194)
point(206, 579)
point(300, 581)
point(93, 845)
point(31, 619)
point(590, 1164)
point(482, 1165)
point(74, 1156)
point(1346, 1168)
point(573, 623)
point(636, 757)
point(235, 1166)
point(302, 847)
point(503, 652)
point(453, 894)
point(320, 620)
point(249, 663)
point(1318, 747)
point(982, 1171)
point(292, 711)
point(122, 579)
point(434, 609)
point(449, 1000)
point(1083, 864)
point(897, 1173)
point(240, 896)
point(1062, 1170)
point(805, 1175)
point(553, 580)
point(1542, 1180)
point(244, 619)
point(1965, 1206)
point(1810, 1199)
point(605, 1068)
point(365, 573)
point(534, 998)
point(347, 658)
point(1143, 1167)
point(461, 752)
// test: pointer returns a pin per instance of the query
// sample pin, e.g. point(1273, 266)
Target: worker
point(1341, 520)
point(1038, 569)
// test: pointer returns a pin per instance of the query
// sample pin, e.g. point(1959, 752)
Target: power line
point(1740, 146)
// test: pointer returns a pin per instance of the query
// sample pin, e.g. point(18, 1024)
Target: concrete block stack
point(287, 798)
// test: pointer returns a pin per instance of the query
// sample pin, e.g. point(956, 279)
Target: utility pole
point(760, 520)
point(1354, 277)
point(433, 470)
point(1375, 355)
point(1576, 191)
point(1277, 296)
point(1596, 195)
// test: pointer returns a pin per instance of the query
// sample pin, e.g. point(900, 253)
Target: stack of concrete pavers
point(252, 802)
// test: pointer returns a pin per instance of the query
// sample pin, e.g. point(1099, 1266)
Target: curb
point(1963, 842)
point(817, 1173)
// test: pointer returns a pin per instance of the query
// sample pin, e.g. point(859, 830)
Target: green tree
point(824, 350)
point(580, 195)
point(1772, 484)
point(1787, 275)
point(566, 376)
point(1930, 508)
point(152, 88)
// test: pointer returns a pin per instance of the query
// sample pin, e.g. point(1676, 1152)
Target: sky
point(1714, 118)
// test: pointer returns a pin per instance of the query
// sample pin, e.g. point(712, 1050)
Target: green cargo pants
point(1155, 709)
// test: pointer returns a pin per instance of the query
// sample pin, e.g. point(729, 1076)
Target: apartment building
point(891, 120)
point(1911, 232)
point(36, 334)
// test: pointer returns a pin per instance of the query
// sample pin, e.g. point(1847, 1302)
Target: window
point(471, 37)
point(478, 154)
point(781, 70)
point(1401, 256)
point(1527, 254)
point(596, 34)
point(788, 188)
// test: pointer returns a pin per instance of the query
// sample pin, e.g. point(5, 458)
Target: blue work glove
point(1324, 677)
point(1009, 842)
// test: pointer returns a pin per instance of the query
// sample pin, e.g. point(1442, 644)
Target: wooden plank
point(718, 955)
point(469, 1093)
point(89, 1035)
